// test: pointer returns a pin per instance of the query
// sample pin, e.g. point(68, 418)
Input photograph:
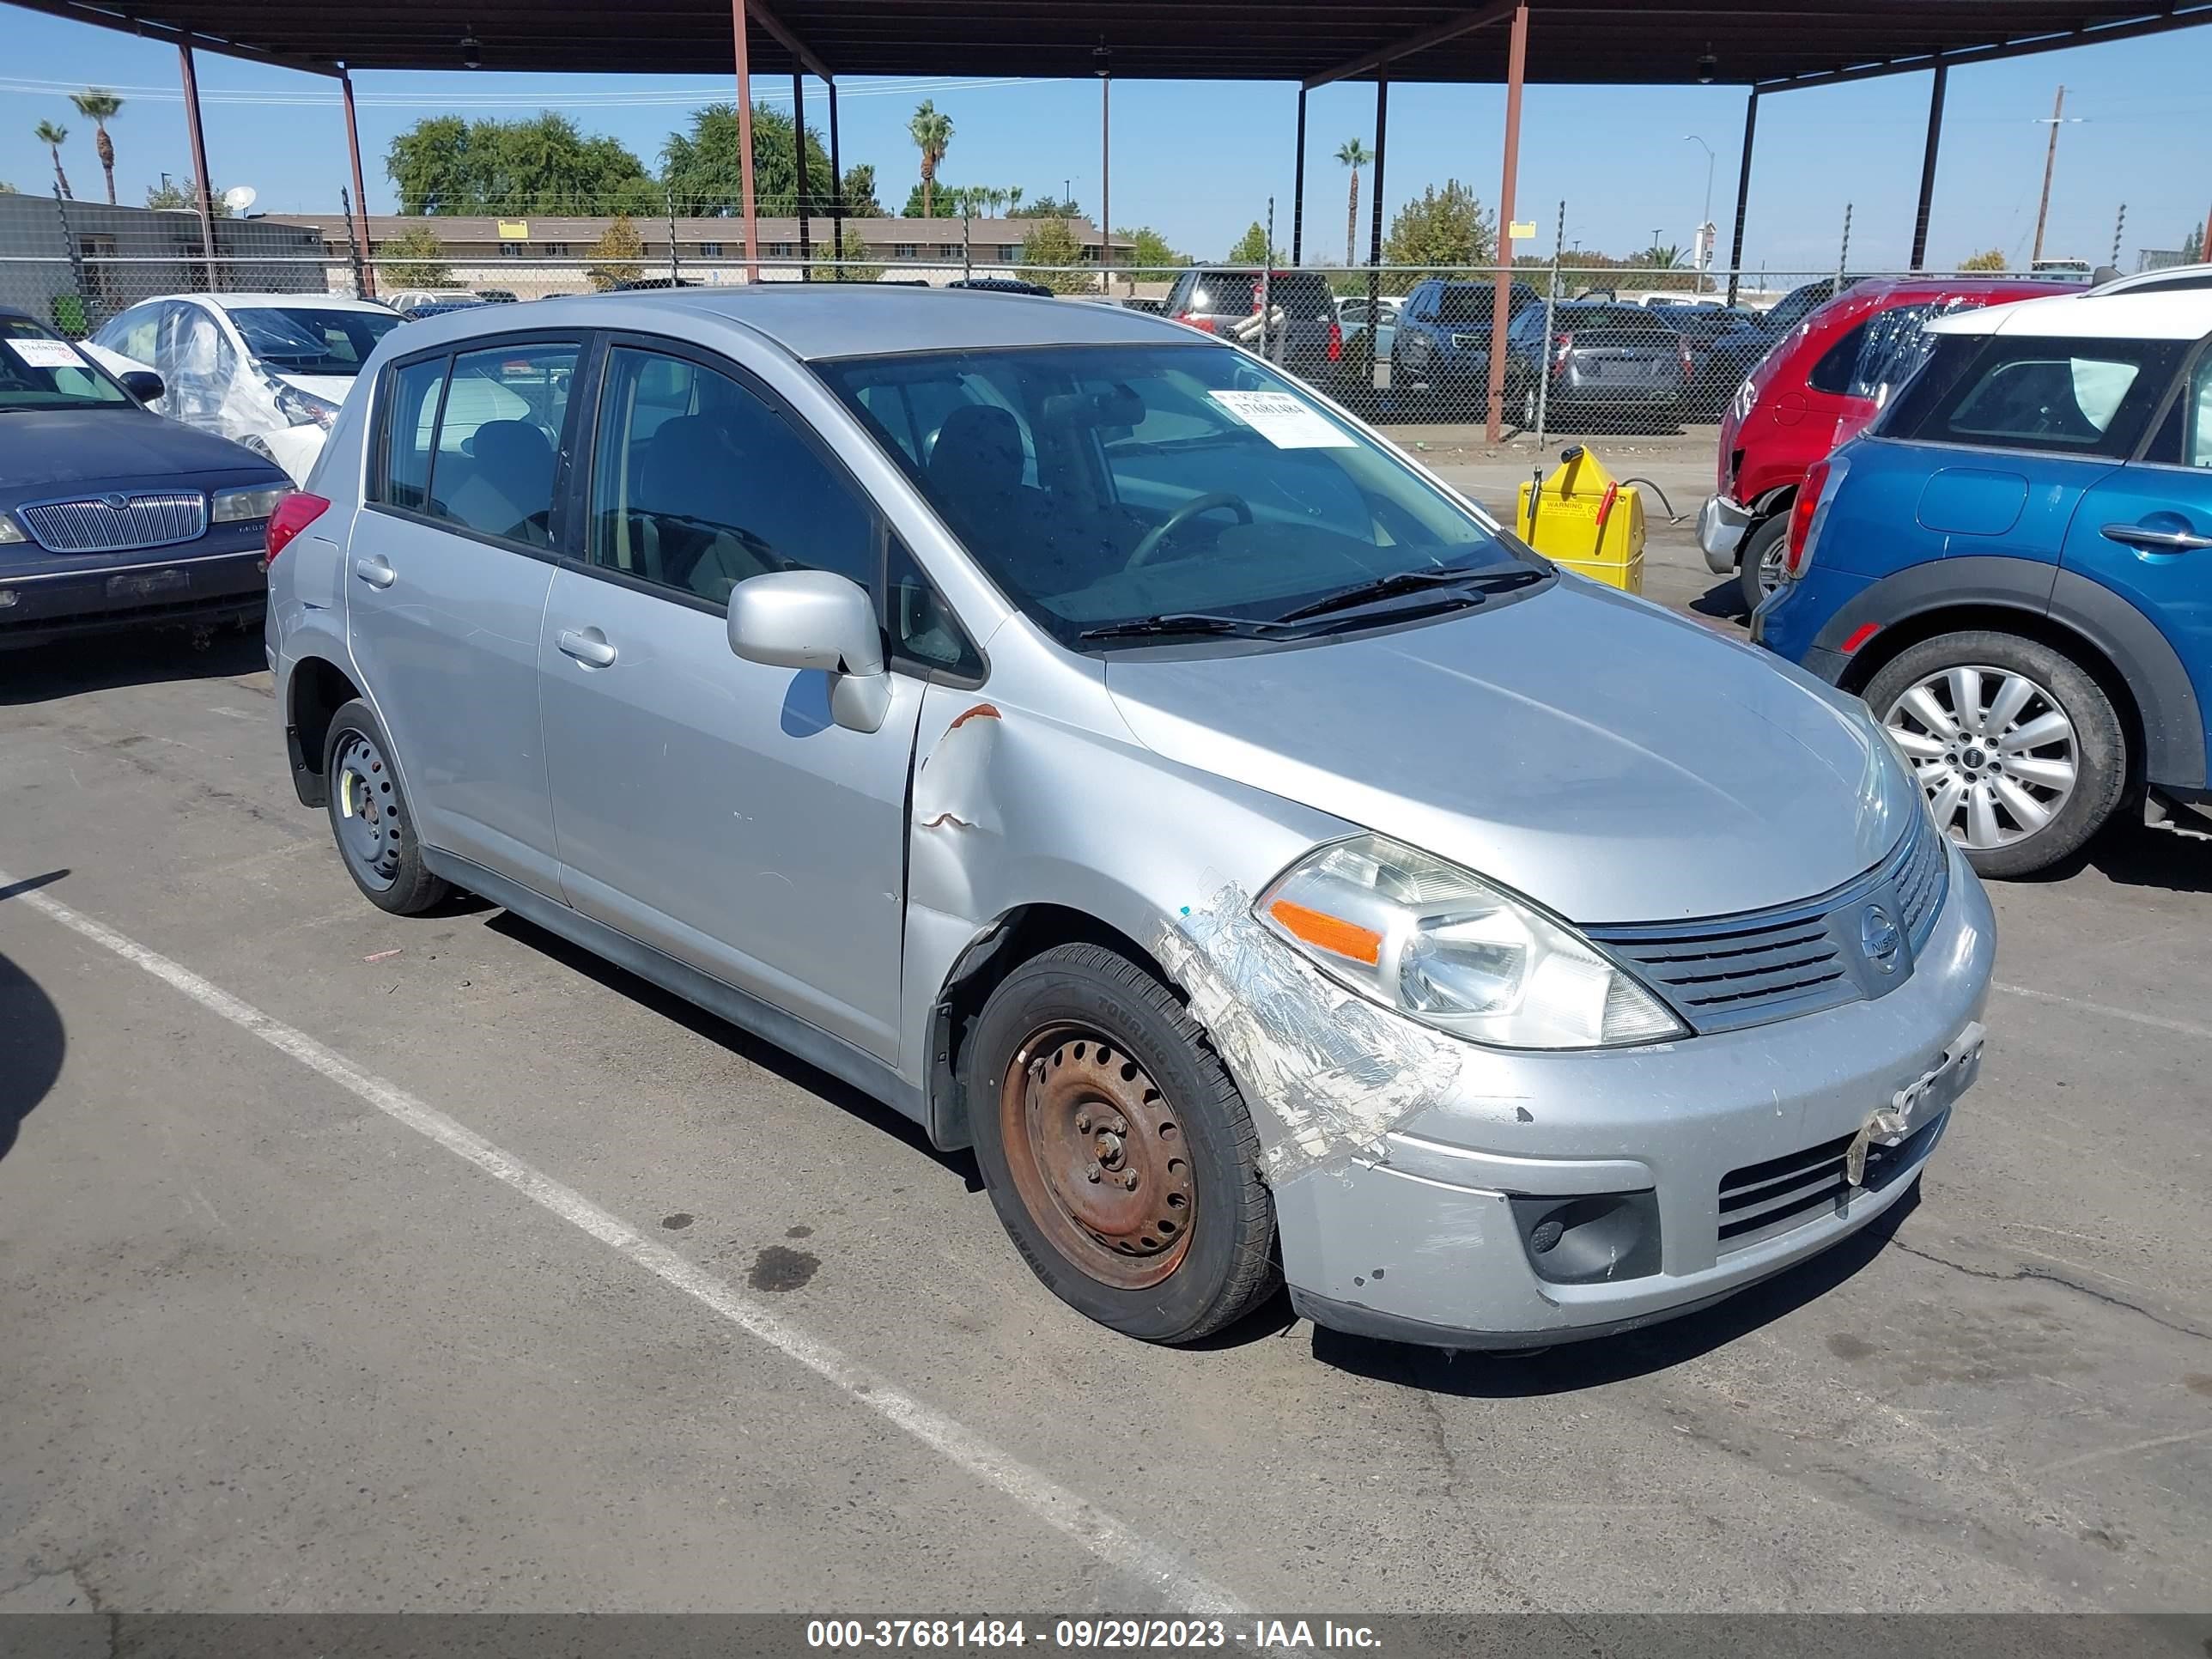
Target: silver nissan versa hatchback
point(1068, 729)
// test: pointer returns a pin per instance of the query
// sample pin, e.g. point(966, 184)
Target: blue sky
point(1200, 161)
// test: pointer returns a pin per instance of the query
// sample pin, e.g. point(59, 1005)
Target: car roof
point(298, 302)
point(2184, 316)
point(2177, 277)
point(818, 320)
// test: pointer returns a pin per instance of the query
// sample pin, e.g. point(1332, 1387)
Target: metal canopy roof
point(1767, 43)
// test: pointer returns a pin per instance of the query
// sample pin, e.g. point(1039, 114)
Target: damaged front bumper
point(1721, 524)
point(1555, 1197)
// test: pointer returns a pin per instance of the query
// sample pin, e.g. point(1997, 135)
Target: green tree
point(7, 189)
point(98, 106)
point(2193, 246)
point(932, 132)
point(183, 193)
point(851, 266)
point(1988, 259)
point(415, 259)
point(616, 256)
point(53, 136)
point(1355, 155)
point(860, 191)
point(1045, 207)
point(700, 168)
point(544, 164)
point(1051, 243)
point(1149, 250)
point(1251, 248)
point(1440, 227)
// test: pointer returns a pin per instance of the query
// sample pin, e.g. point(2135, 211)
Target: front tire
point(2018, 748)
point(1119, 1154)
point(369, 819)
point(1758, 560)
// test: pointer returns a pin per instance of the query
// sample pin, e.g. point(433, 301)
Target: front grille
point(130, 522)
point(1761, 1198)
point(1727, 972)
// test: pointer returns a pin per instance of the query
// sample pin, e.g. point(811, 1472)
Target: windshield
point(38, 371)
point(1108, 485)
point(310, 340)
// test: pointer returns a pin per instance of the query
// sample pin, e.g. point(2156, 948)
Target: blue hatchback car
point(2014, 568)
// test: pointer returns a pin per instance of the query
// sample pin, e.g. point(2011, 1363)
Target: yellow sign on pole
point(1523, 230)
point(517, 230)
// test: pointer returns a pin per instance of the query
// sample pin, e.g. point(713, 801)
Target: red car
point(1820, 386)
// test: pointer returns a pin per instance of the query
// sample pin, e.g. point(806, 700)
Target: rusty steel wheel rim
point(1097, 1154)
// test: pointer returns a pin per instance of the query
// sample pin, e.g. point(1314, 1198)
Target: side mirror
point(143, 384)
point(815, 619)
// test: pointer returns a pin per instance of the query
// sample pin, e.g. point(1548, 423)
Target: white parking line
point(2155, 1021)
point(1105, 1536)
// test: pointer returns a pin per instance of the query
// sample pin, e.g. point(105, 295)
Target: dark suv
point(1303, 334)
point(1443, 339)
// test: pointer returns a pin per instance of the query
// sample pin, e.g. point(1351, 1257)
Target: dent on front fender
point(1012, 808)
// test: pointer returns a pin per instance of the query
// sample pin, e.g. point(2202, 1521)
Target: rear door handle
point(375, 570)
point(2155, 541)
point(587, 646)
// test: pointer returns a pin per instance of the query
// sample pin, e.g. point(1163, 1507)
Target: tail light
point(1205, 323)
point(1561, 345)
point(1335, 342)
point(1803, 511)
point(1689, 363)
point(294, 513)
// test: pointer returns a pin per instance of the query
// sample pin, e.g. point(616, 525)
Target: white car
point(269, 370)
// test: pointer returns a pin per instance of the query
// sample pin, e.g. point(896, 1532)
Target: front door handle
point(2156, 541)
point(374, 569)
point(586, 646)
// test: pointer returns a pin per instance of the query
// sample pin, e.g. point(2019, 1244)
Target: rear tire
point(1758, 560)
point(369, 819)
point(1118, 1153)
point(2038, 738)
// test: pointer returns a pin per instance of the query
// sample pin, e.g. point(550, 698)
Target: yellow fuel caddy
point(1579, 517)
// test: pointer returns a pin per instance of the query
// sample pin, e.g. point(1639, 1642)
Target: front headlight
point(252, 501)
point(1441, 945)
point(305, 408)
point(9, 530)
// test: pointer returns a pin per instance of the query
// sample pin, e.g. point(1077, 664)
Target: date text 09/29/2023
point(1117, 1635)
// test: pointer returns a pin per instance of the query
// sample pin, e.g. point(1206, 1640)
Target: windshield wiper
point(1179, 621)
point(1478, 583)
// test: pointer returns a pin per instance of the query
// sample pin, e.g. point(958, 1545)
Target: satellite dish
point(238, 198)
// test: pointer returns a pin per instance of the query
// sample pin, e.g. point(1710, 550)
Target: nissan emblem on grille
point(1879, 938)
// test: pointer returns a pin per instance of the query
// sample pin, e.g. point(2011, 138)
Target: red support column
point(745, 137)
point(199, 159)
point(360, 196)
point(1516, 69)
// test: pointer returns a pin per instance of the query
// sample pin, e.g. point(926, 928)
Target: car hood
point(1610, 761)
point(46, 453)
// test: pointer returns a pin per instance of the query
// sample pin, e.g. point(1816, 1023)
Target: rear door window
point(410, 428)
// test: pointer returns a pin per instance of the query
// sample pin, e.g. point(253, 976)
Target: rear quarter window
point(2050, 393)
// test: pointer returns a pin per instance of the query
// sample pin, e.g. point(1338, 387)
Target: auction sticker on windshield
point(47, 354)
point(1284, 420)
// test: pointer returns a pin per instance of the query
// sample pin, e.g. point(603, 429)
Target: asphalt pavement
point(352, 1263)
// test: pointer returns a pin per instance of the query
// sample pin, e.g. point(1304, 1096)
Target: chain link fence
point(1586, 349)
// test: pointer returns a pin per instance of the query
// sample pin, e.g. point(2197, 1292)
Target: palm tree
point(1355, 155)
point(96, 107)
point(1013, 197)
point(53, 136)
point(931, 133)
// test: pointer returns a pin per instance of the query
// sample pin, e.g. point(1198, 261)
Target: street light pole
point(1704, 224)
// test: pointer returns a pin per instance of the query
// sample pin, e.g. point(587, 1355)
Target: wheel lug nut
point(1130, 1181)
point(1083, 1123)
point(1097, 1174)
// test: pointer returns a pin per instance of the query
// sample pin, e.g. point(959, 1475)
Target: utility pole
point(1844, 253)
point(1706, 228)
point(2057, 119)
point(1104, 60)
point(2119, 225)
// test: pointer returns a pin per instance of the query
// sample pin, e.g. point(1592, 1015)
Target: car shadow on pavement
point(70, 668)
point(32, 1042)
point(1574, 1366)
point(1723, 600)
point(760, 1052)
point(2130, 854)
